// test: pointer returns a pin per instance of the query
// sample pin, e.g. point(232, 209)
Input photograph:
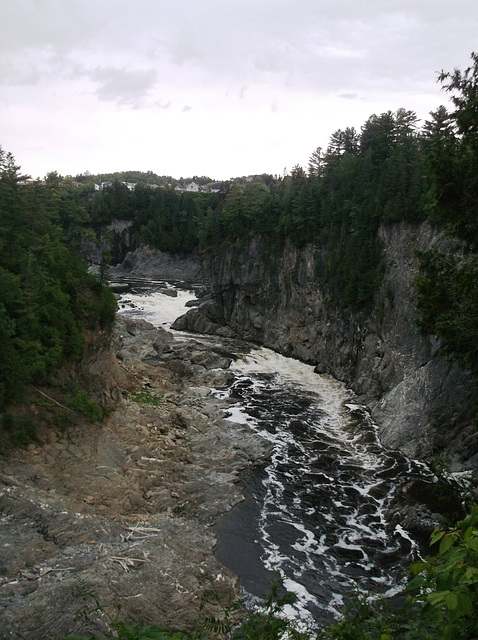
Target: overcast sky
point(214, 87)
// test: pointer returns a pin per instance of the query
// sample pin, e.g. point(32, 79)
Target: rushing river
point(316, 511)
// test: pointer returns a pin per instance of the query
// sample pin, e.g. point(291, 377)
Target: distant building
point(192, 187)
point(109, 183)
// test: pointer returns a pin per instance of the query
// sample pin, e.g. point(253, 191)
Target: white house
point(191, 186)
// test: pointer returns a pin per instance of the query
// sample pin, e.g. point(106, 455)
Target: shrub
point(83, 404)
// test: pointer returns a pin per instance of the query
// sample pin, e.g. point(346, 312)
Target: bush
point(22, 431)
point(442, 602)
point(448, 582)
point(83, 404)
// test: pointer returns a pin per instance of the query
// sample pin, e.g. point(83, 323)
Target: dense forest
point(48, 300)
point(391, 170)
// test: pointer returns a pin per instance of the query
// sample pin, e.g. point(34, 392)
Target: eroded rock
point(122, 511)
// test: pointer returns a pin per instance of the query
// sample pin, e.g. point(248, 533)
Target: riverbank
point(123, 509)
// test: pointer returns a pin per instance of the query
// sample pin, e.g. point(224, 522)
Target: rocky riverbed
point(116, 516)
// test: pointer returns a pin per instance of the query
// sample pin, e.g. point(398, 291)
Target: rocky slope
point(421, 402)
point(120, 512)
point(155, 264)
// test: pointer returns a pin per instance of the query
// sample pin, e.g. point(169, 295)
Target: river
point(316, 511)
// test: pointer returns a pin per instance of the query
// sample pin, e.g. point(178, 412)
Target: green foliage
point(121, 631)
point(447, 300)
point(22, 431)
point(448, 582)
point(152, 632)
point(455, 158)
point(442, 602)
point(46, 295)
point(83, 404)
point(448, 284)
point(439, 603)
point(270, 623)
point(216, 624)
point(146, 397)
point(361, 619)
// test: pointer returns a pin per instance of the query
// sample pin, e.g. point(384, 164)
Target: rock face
point(121, 511)
point(421, 402)
point(115, 239)
point(149, 262)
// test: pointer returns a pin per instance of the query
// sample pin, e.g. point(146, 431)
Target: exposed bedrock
point(421, 402)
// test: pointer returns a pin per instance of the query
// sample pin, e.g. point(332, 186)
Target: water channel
point(316, 511)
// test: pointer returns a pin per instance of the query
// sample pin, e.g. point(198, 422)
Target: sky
point(222, 88)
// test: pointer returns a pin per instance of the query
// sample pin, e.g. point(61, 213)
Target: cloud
point(162, 105)
point(79, 70)
point(349, 96)
point(122, 86)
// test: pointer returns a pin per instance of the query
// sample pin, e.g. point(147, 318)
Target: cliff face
point(421, 402)
point(124, 507)
point(114, 239)
point(150, 262)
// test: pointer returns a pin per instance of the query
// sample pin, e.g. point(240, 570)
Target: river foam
point(316, 511)
point(324, 493)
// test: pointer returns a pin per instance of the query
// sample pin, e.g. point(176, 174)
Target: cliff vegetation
point(391, 171)
point(346, 205)
point(48, 300)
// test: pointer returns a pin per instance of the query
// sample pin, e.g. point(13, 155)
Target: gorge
point(325, 508)
point(422, 403)
point(293, 416)
point(94, 502)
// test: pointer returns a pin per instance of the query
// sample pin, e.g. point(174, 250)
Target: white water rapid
point(316, 511)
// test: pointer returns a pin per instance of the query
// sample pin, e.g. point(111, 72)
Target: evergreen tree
point(47, 298)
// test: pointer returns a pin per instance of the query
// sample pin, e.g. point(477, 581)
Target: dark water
point(316, 511)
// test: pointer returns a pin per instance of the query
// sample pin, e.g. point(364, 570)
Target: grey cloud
point(17, 75)
point(60, 25)
point(163, 105)
point(123, 86)
point(186, 109)
point(349, 96)
point(306, 44)
point(319, 46)
point(242, 91)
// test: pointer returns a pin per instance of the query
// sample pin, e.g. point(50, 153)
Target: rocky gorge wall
point(119, 512)
point(421, 402)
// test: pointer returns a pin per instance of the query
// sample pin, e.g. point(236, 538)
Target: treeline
point(363, 178)
point(381, 174)
point(390, 171)
point(448, 284)
point(140, 177)
point(47, 297)
point(164, 218)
